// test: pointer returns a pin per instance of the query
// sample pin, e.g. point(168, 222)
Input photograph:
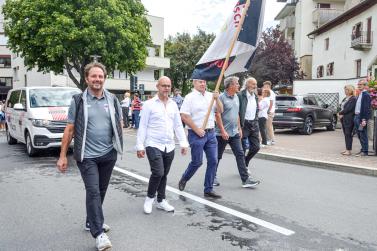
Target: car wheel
point(332, 126)
point(308, 126)
point(31, 151)
point(10, 139)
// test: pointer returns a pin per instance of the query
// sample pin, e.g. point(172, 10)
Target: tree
point(54, 35)
point(184, 52)
point(274, 59)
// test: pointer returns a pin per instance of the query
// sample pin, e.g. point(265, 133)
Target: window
point(15, 73)
point(5, 61)
point(156, 74)
point(358, 68)
point(327, 41)
point(13, 99)
point(3, 39)
point(330, 69)
point(310, 101)
point(323, 5)
point(320, 71)
point(23, 99)
point(6, 82)
point(356, 30)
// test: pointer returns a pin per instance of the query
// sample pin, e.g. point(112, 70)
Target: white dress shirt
point(264, 104)
point(158, 124)
point(273, 99)
point(196, 106)
point(251, 108)
point(125, 102)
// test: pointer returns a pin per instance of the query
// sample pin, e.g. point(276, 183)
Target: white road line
point(233, 212)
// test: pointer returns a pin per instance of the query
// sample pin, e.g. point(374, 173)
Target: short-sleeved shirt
point(273, 99)
point(99, 133)
point(229, 116)
point(196, 106)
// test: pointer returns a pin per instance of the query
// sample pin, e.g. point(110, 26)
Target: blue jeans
point(208, 144)
point(136, 117)
point(363, 134)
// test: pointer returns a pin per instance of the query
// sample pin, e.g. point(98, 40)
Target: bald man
point(160, 119)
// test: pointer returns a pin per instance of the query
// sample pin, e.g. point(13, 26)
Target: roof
point(286, 11)
point(356, 10)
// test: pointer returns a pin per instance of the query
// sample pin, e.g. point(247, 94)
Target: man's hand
point(224, 135)
point(62, 164)
point(140, 154)
point(200, 132)
point(216, 95)
point(184, 150)
point(240, 133)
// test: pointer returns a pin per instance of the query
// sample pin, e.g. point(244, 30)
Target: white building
point(6, 73)
point(300, 17)
point(117, 82)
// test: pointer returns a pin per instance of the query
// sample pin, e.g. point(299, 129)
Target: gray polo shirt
point(230, 115)
point(99, 131)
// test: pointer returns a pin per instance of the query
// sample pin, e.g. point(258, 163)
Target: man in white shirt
point(125, 103)
point(193, 112)
point(160, 119)
point(271, 113)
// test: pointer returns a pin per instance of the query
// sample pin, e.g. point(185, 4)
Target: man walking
point(228, 130)
point(249, 118)
point(95, 121)
point(362, 115)
point(271, 113)
point(160, 119)
point(193, 112)
point(125, 103)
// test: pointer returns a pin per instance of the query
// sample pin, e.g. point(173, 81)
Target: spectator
point(271, 113)
point(136, 107)
point(2, 116)
point(126, 102)
point(264, 104)
point(347, 116)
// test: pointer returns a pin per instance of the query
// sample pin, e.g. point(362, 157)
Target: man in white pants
point(160, 119)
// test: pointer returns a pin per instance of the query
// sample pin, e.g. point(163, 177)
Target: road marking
point(227, 210)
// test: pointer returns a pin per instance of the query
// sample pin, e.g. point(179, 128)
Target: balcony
point(324, 15)
point(288, 23)
point(362, 41)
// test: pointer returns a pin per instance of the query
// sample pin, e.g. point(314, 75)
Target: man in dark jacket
point(95, 121)
point(362, 115)
point(249, 118)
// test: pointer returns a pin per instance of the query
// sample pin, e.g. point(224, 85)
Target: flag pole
point(225, 65)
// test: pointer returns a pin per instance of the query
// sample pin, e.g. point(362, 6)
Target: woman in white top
point(264, 104)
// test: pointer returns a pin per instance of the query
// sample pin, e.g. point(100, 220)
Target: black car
point(303, 113)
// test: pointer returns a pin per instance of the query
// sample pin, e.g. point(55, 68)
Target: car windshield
point(51, 97)
point(286, 101)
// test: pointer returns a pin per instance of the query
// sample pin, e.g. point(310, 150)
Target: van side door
point(13, 114)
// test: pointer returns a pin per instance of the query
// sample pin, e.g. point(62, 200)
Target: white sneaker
point(148, 205)
point(269, 143)
point(273, 142)
point(105, 227)
point(103, 242)
point(164, 205)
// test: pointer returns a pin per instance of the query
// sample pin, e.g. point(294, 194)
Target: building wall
point(340, 53)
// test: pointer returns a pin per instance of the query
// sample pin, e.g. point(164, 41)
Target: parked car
point(37, 116)
point(303, 113)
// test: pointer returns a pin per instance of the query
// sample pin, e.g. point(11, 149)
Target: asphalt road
point(42, 209)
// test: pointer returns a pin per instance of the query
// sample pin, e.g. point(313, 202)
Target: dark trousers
point(348, 136)
point(236, 146)
point(362, 134)
point(208, 144)
point(250, 131)
point(126, 120)
point(96, 173)
point(263, 130)
point(160, 163)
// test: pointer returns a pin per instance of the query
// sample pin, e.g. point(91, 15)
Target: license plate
point(279, 114)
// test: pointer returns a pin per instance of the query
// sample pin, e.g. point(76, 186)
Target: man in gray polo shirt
point(228, 130)
point(95, 121)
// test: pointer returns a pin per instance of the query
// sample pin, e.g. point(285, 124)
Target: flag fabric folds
point(210, 65)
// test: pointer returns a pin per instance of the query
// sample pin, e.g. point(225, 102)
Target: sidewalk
point(321, 149)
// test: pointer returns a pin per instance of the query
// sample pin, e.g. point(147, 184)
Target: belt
point(250, 120)
point(209, 129)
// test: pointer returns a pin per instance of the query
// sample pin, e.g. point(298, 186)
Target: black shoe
point(361, 154)
point(250, 183)
point(182, 184)
point(212, 195)
point(216, 183)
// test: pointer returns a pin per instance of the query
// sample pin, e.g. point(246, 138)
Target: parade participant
point(264, 104)
point(271, 113)
point(136, 108)
point(125, 103)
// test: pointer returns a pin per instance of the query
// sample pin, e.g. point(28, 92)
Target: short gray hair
point(229, 80)
point(246, 81)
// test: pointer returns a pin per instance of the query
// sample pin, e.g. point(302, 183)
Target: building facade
point(117, 82)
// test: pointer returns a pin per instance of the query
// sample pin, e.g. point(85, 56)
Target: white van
point(37, 116)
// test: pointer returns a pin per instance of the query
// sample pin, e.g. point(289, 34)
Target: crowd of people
point(2, 115)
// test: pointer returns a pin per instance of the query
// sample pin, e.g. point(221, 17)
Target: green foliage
point(62, 34)
point(184, 52)
point(274, 59)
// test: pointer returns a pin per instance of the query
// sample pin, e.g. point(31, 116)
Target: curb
point(316, 164)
